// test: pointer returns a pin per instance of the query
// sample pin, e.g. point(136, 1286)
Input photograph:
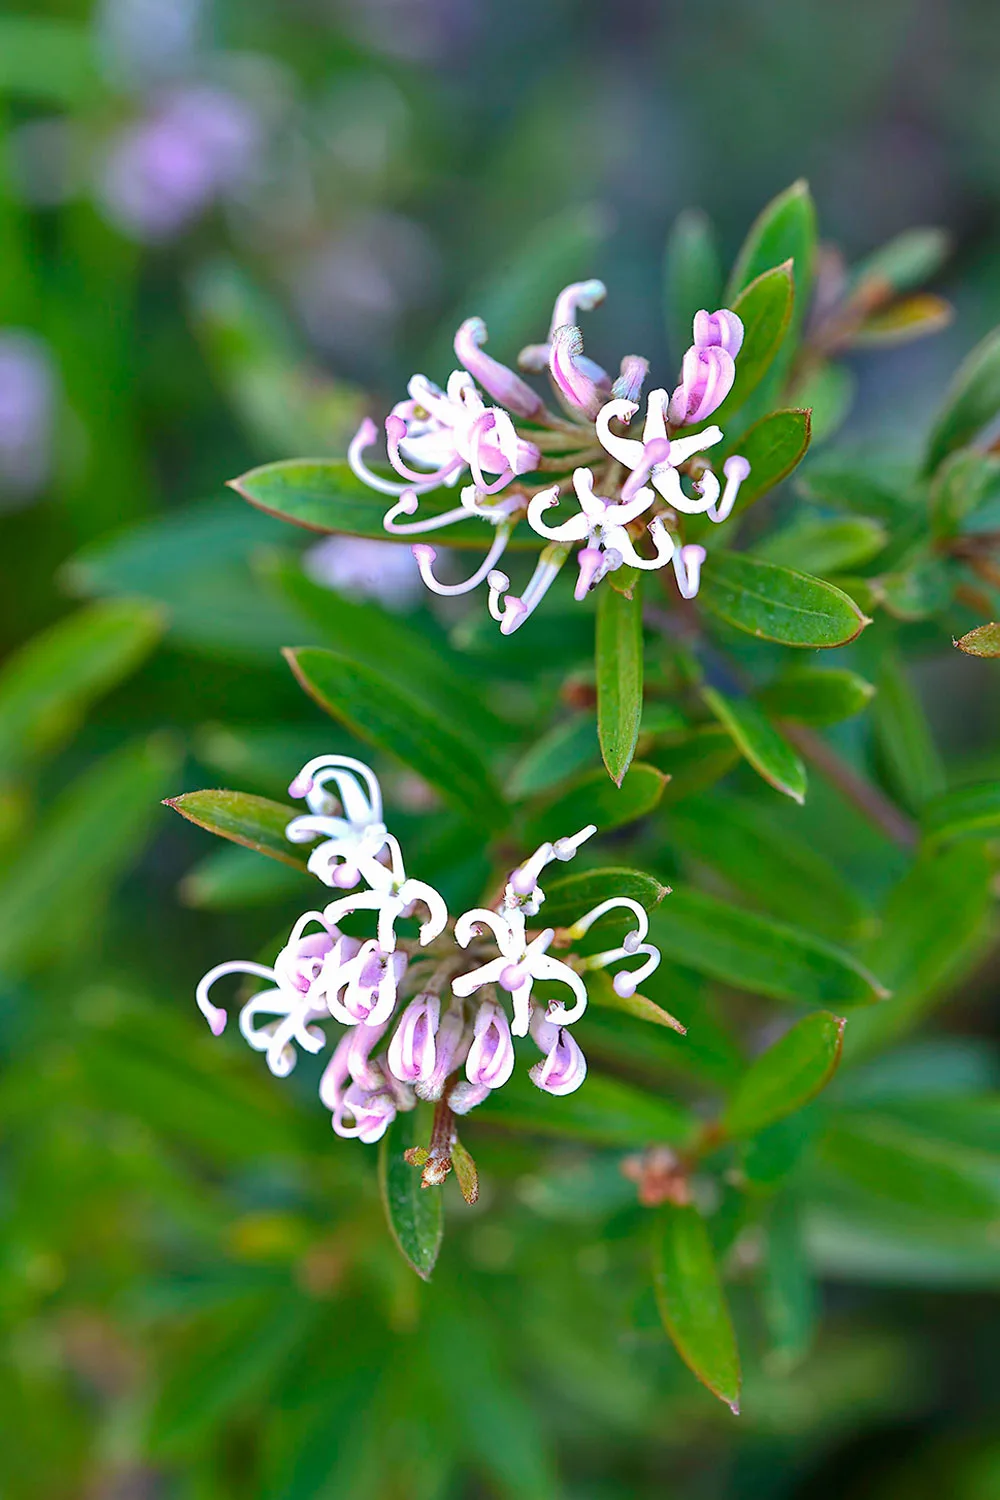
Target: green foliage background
point(200, 1299)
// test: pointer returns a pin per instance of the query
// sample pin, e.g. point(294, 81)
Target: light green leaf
point(603, 1110)
point(765, 308)
point(903, 1164)
point(759, 743)
point(47, 686)
point(398, 723)
point(786, 1076)
point(466, 1172)
point(618, 662)
point(824, 547)
point(972, 400)
point(692, 275)
point(233, 879)
point(759, 955)
point(984, 640)
point(323, 494)
point(594, 799)
point(789, 1295)
point(827, 390)
point(784, 230)
point(415, 1214)
point(920, 586)
point(561, 752)
point(52, 62)
point(777, 604)
point(966, 482)
point(965, 811)
point(693, 1305)
point(255, 822)
point(904, 736)
point(854, 486)
point(601, 991)
point(906, 261)
point(570, 897)
point(817, 695)
point(772, 447)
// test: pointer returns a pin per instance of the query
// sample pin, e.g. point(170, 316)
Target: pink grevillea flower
point(412, 1053)
point(601, 524)
point(719, 330)
point(627, 982)
point(707, 377)
point(491, 1055)
point(357, 1110)
point(511, 610)
point(496, 379)
point(365, 988)
point(564, 1067)
point(451, 1046)
point(355, 836)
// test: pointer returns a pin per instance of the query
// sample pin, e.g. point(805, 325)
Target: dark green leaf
point(322, 494)
point(906, 261)
point(47, 686)
point(594, 799)
point(698, 761)
point(618, 662)
point(965, 482)
point(777, 604)
point(765, 307)
point(972, 400)
point(603, 1110)
point(817, 695)
point(759, 743)
point(896, 1161)
point(692, 275)
point(254, 822)
point(569, 897)
point(922, 585)
point(561, 752)
point(705, 1053)
point(693, 1305)
point(398, 723)
point(963, 812)
point(852, 486)
point(983, 641)
point(824, 547)
point(904, 736)
point(784, 230)
point(789, 1295)
point(772, 447)
point(414, 1213)
point(787, 1075)
point(753, 953)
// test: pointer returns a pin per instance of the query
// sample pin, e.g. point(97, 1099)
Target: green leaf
point(759, 743)
point(965, 811)
point(693, 1305)
point(414, 1213)
point(825, 547)
point(772, 447)
point(972, 400)
point(895, 1161)
point(255, 822)
point(692, 275)
point(784, 230)
point(466, 1172)
point(777, 869)
point(47, 685)
point(817, 695)
point(828, 391)
point(398, 723)
point(904, 736)
point(777, 604)
point(95, 830)
point(603, 1110)
point(698, 761)
point(965, 483)
point(594, 799)
point(906, 261)
point(765, 308)
point(911, 318)
point(561, 752)
point(618, 662)
point(786, 1076)
point(789, 1296)
point(568, 898)
point(601, 991)
point(323, 494)
point(759, 955)
point(984, 640)
point(921, 586)
point(854, 486)
point(52, 62)
point(232, 879)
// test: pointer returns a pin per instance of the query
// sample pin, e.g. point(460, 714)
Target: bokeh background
point(219, 224)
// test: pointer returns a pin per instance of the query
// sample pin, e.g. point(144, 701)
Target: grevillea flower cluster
point(435, 1004)
point(517, 459)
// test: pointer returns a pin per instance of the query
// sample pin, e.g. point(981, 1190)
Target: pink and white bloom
point(491, 1056)
point(451, 1046)
point(364, 989)
point(627, 982)
point(357, 1111)
point(412, 1052)
point(353, 836)
point(564, 1067)
point(719, 330)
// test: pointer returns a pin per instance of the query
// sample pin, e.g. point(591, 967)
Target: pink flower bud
point(451, 1044)
point(575, 383)
point(491, 1057)
point(706, 379)
point(719, 330)
point(564, 1067)
point(465, 1096)
point(499, 382)
point(412, 1052)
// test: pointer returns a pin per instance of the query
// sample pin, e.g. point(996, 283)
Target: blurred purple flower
point(27, 415)
point(362, 569)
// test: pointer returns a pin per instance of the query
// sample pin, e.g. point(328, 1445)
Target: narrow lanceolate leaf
point(777, 604)
point(765, 308)
point(571, 896)
point(904, 736)
point(619, 678)
point(415, 1214)
point(906, 261)
point(817, 695)
point(772, 447)
point(911, 318)
point(693, 1304)
point(784, 230)
point(322, 494)
point(964, 812)
point(787, 1075)
point(603, 1110)
point(594, 799)
point(562, 751)
point(983, 641)
point(826, 547)
point(759, 743)
point(466, 1172)
point(601, 992)
point(904, 1164)
point(972, 400)
point(759, 955)
point(692, 275)
point(398, 723)
point(789, 1296)
point(46, 686)
point(255, 822)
